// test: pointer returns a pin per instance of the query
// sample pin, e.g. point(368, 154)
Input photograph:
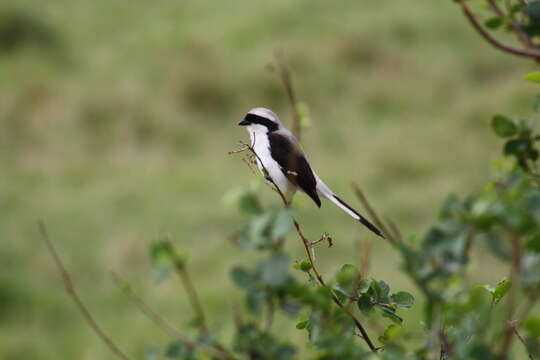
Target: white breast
point(259, 141)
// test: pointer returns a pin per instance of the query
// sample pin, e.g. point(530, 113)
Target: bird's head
point(261, 120)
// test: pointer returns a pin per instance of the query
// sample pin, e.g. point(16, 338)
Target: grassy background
point(116, 119)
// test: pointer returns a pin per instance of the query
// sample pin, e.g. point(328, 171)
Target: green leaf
point(392, 333)
point(242, 278)
point(390, 313)
point(161, 260)
point(533, 77)
point(516, 147)
point(402, 299)
point(305, 265)
point(283, 223)
point(380, 291)
point(533, 10)
point(494, 22)
point(490, 289)
point(363, 285)
point(364, 304)
point(502, 288)
point(258, 229)
point(533, 244)
point(503, 126)
point(159, 254)
point(255, 300)
point(249, 203)
point(532, 325)
point(347, 275)
point(275, 269)
point(498, 292)
point(179, 350)
point(302, 324)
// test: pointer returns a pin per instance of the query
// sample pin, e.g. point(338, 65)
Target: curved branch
point(164, 325)
point(70, 289)
point(531, 53)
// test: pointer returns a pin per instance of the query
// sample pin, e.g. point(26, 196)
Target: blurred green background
point(116, 118)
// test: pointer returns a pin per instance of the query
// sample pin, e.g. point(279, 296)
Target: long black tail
point(349, 210)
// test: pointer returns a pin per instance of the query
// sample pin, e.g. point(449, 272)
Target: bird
point(281, 160)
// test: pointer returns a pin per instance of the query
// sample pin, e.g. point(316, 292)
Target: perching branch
point(309, 248)
point(162, 324)
point(531, 53)
point(70, 289)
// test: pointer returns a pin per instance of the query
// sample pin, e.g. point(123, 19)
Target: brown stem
point(446, 347)
point(531, 53)
point(162, 324)
point(374, 216)
point(286, 81)
point(70, 289)
point(514, 279)
point(190, 290)
point(516, 26)
point(308, 248)
point(513, 328)
point(269, 315)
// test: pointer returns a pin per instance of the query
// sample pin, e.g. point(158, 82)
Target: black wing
point(294, 165)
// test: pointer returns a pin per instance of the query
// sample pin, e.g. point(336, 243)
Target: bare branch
point(513, 328)
point(446, 346)
point(161, 323)
point(373, 214)
point(511, 302)
point(395, 230)
point(70, 289)
point(185, 279)
point(516, 26)
point(286, 81)
point(531, 53)
point(365, 258)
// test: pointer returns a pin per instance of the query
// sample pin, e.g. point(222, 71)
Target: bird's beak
point(243, 123)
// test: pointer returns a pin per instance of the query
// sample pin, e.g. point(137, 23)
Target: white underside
point(259, 141)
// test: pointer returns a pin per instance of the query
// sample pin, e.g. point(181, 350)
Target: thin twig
point(70, 289)
point(161, 323)
point(531, 53)
point(365, 258)
point(373, 214)
point(310, 255)
point(516, 26)
point(325, 237)
point(395, 230)
point(191, 292)
point(286, 81)
point(512, 326)
point(511, 299)
point(269, 315)
point(446, 347)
